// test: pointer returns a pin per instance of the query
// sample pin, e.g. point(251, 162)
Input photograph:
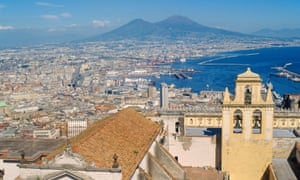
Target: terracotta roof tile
point(127, 133)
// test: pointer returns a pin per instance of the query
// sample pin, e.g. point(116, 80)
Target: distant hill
point(172, 28)
point(282, 33)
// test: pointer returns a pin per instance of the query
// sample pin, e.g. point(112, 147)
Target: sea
point(215, 72)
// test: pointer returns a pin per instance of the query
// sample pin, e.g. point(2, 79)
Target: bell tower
point(247, 129)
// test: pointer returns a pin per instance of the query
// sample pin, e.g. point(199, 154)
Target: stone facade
point(247, 130)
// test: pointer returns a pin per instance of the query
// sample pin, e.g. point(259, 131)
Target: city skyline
point(102, 16)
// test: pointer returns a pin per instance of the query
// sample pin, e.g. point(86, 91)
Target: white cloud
point(46, 4)
point(51, 30)
point(2, 6)
point(65, 15)
point(100, 23)
point(56, 17)
point(56, 30)
point(73, 25)
point(6, 27)
point(50, 17)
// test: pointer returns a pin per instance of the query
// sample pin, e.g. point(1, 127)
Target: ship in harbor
point(182, 76)
point(283, 72)
point(182, 60)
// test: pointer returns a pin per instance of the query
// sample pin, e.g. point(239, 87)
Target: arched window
point(256, 122)
point(248, 95)
point(238, 121)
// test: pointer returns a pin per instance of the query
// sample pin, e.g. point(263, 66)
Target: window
point(177, 127)
point(256, 122)
point(176, 158)
point(248, 95)
point(238, 121)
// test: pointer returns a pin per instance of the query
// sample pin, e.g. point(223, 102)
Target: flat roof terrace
point(10, 149)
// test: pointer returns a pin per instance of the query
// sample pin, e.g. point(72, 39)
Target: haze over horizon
point(102, 16)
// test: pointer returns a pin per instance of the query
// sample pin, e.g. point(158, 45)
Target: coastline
point(218, 76)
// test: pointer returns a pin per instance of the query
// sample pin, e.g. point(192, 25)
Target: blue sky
point(101, 15)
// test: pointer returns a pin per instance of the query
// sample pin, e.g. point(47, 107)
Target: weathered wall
point(156, 170)
point(246, 160)
point(282, 147)
point(169, 162)
point(194, 151)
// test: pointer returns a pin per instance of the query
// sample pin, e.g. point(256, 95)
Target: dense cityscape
point(56, 91)
point(47, 85)
point(91, 102)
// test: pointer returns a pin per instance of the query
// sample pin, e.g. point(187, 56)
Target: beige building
point(247, 129)
point(249, 120)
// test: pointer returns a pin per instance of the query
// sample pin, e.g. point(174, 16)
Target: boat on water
point(191, 70)
point(186, 76)
point(295, 79)
point(187, 70)
point(283, 72)
point(178, 76)
point(182, 60)
point(280, 74)
point(182, 76)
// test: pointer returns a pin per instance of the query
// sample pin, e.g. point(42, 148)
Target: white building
point(164, 96)
point(76, 126)
point(50, 133)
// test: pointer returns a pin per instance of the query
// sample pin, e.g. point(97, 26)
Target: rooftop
point(10, 149)
point(127, 133)
point(283, 133)
point(203, 173)
point(282, 169)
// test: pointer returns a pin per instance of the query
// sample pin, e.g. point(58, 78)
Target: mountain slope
point(172, 28)
point(133, 29)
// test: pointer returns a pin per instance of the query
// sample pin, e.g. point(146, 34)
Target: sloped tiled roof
point(127, 133)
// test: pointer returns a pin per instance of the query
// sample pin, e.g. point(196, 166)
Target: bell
point(256, 124)
point(237, 124)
